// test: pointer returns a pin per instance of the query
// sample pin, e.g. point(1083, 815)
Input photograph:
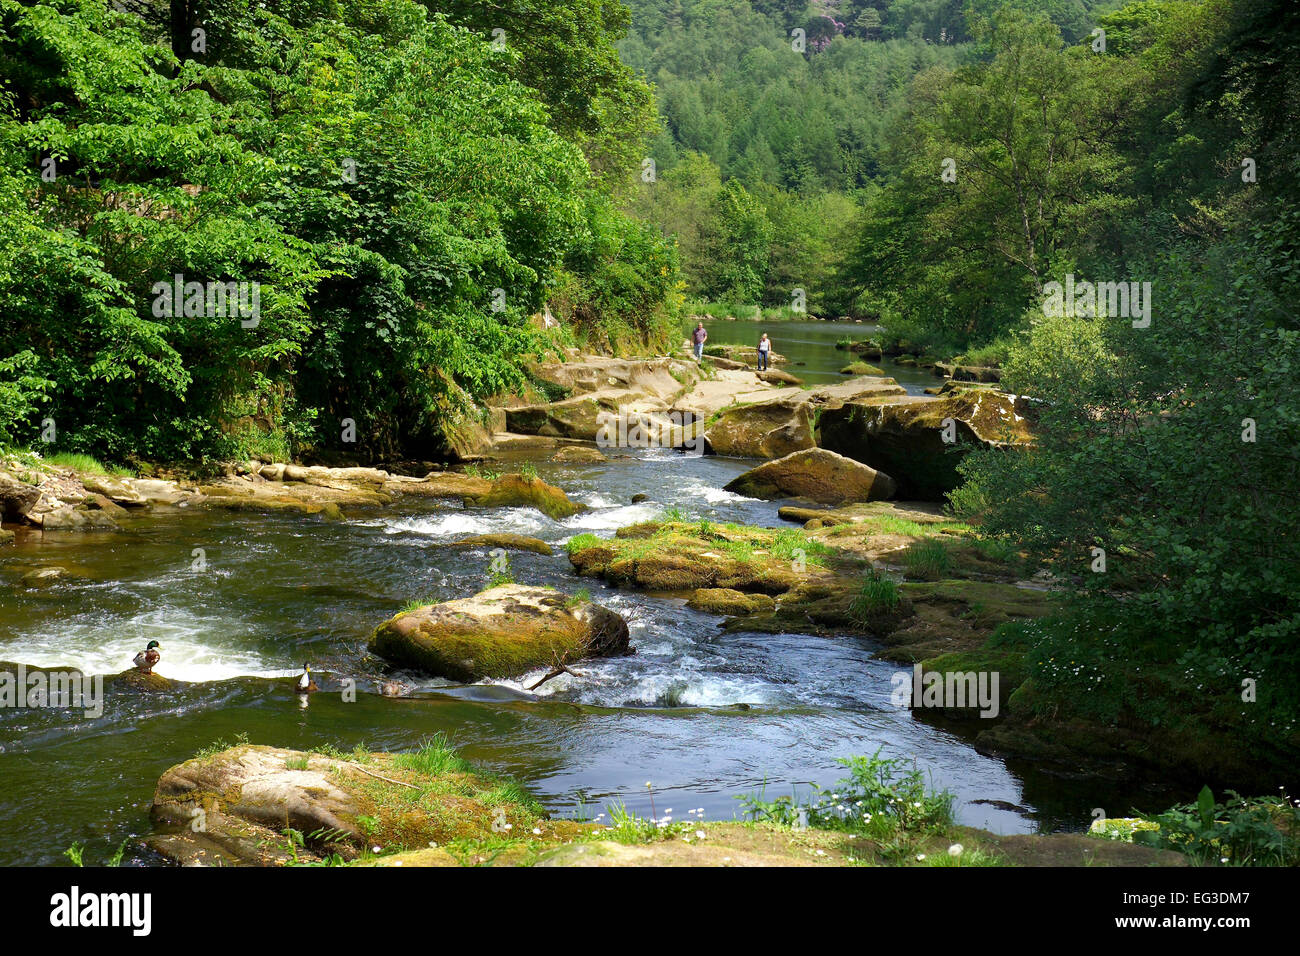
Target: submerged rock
point(816, 474)
point(43, 577)
point(137, 680)
point(501, 632)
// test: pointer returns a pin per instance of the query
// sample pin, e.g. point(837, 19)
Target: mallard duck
point(305, 684)
point(147, 658)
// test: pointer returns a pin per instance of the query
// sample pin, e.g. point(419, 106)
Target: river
point(279, 590)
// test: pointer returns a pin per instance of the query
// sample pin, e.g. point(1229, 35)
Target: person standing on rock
point(764, 348)
point(699, 337)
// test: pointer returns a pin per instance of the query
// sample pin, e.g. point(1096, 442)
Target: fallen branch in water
point(555, 671)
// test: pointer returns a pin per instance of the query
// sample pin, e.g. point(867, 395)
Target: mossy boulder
point(816, 474)
point(137, 681)
point(579, 454)
point(861, 368)
point(909, 440)
point(501, 632)
point(729, 601)
point(235, 806)
point(509, 542)
point(518, 491)
point(678, 557)
point(762, 430)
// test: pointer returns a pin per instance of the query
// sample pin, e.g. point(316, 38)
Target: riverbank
point(268, 806)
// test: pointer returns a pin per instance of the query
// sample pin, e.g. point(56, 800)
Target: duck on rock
point(147, 658)
point(305, 683)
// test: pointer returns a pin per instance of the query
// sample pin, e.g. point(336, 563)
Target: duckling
point(147, 658)
point(305, 684)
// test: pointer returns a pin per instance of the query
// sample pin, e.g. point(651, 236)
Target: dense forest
point(404, 188)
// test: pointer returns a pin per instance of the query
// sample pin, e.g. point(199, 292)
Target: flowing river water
point(280, 590)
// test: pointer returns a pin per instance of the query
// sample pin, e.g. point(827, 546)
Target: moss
point(729, 601)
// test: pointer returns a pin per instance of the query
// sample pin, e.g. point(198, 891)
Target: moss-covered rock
point(676, 557)
point(137, 681)
point(861, 368)
point(816, 474)
point(244, 805)
point(729, 601)
point(510, 542)
point(517, 491)
point(743, 353)
point(501, 632)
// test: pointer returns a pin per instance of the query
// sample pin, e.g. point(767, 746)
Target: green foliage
point(927, 560)
point(372, 171)
point(879, 593)
point(435, 757)
point(581, 542)
point(881, 794)
point(1241, 831)
point(499, 573)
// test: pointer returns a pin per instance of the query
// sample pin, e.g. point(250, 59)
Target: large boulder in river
point(910, 440)
point(762, 430)
point(16, 497)
point(518, 491)
point(501, 632)
point(816, 474)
